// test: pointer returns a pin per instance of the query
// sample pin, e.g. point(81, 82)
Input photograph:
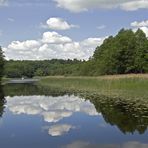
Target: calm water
point(33, 117)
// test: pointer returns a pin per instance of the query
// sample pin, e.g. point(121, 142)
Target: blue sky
point(85, 25)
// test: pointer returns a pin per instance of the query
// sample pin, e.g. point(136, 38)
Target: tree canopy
point(17, 69)
point(125, 53)
point(1, 63)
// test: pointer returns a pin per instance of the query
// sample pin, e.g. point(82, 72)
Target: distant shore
point(125, 86)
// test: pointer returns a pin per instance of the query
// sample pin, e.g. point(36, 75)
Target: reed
point(128, 86)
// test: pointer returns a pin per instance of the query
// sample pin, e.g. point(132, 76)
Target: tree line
point(16, 69)
point(1, 63)
point(125, 53)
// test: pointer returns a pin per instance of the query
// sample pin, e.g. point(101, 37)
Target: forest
point(125, 53)
point(15, 69)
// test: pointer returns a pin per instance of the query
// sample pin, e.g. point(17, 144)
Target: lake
point(36, 117)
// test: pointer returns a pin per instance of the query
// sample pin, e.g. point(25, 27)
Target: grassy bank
point(125, 86)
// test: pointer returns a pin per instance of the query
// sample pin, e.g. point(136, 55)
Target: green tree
point(1, 63)
point(127, 52)
point(141, 53)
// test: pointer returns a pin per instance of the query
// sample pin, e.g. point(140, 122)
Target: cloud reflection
point(58, 130)
point(83, 144)
point(52, 109)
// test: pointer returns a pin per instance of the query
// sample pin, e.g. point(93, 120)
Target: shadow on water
point(128, 115)
point(2, 101)
point(30, 90)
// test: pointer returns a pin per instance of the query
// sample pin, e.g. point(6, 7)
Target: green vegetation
point(129, 115)
point(1, 63)
point(126, 86)
point(17, 69)
point(125, 53)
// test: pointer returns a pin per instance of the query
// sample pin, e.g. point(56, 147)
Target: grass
point(125, 86)
point(5, 80)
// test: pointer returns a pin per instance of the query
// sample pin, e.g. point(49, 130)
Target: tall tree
point(1, 63)
point(127, 52)
point(141, 52)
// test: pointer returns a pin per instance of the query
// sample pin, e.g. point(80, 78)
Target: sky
point(65, 29)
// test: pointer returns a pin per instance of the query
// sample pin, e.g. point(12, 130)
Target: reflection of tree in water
point(2, 101)
point(31, 89)
point(127, 115)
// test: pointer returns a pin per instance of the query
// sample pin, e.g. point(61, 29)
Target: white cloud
point(22, 50)
point(143, 25)
point(56, 23)
point(52, 45)
point(145, 30)
point(84, 5)
point(55, 38)
point(140, 24)
point(92, 42)
point(133, 5)
point(58, 130)
point(29, 44)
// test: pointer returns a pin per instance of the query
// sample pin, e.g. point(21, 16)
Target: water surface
point(34, 117)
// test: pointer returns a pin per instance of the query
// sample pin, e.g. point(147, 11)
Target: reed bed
point(125, 86)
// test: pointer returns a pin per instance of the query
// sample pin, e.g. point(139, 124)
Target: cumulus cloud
point(143, 25)
point(17, 45)
point(58, 130)
point(140, 24)
point(52, 45)
point(83, 5)
point(91, 42)
point(55, 38)
point(56, 23)
point(22, 50)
